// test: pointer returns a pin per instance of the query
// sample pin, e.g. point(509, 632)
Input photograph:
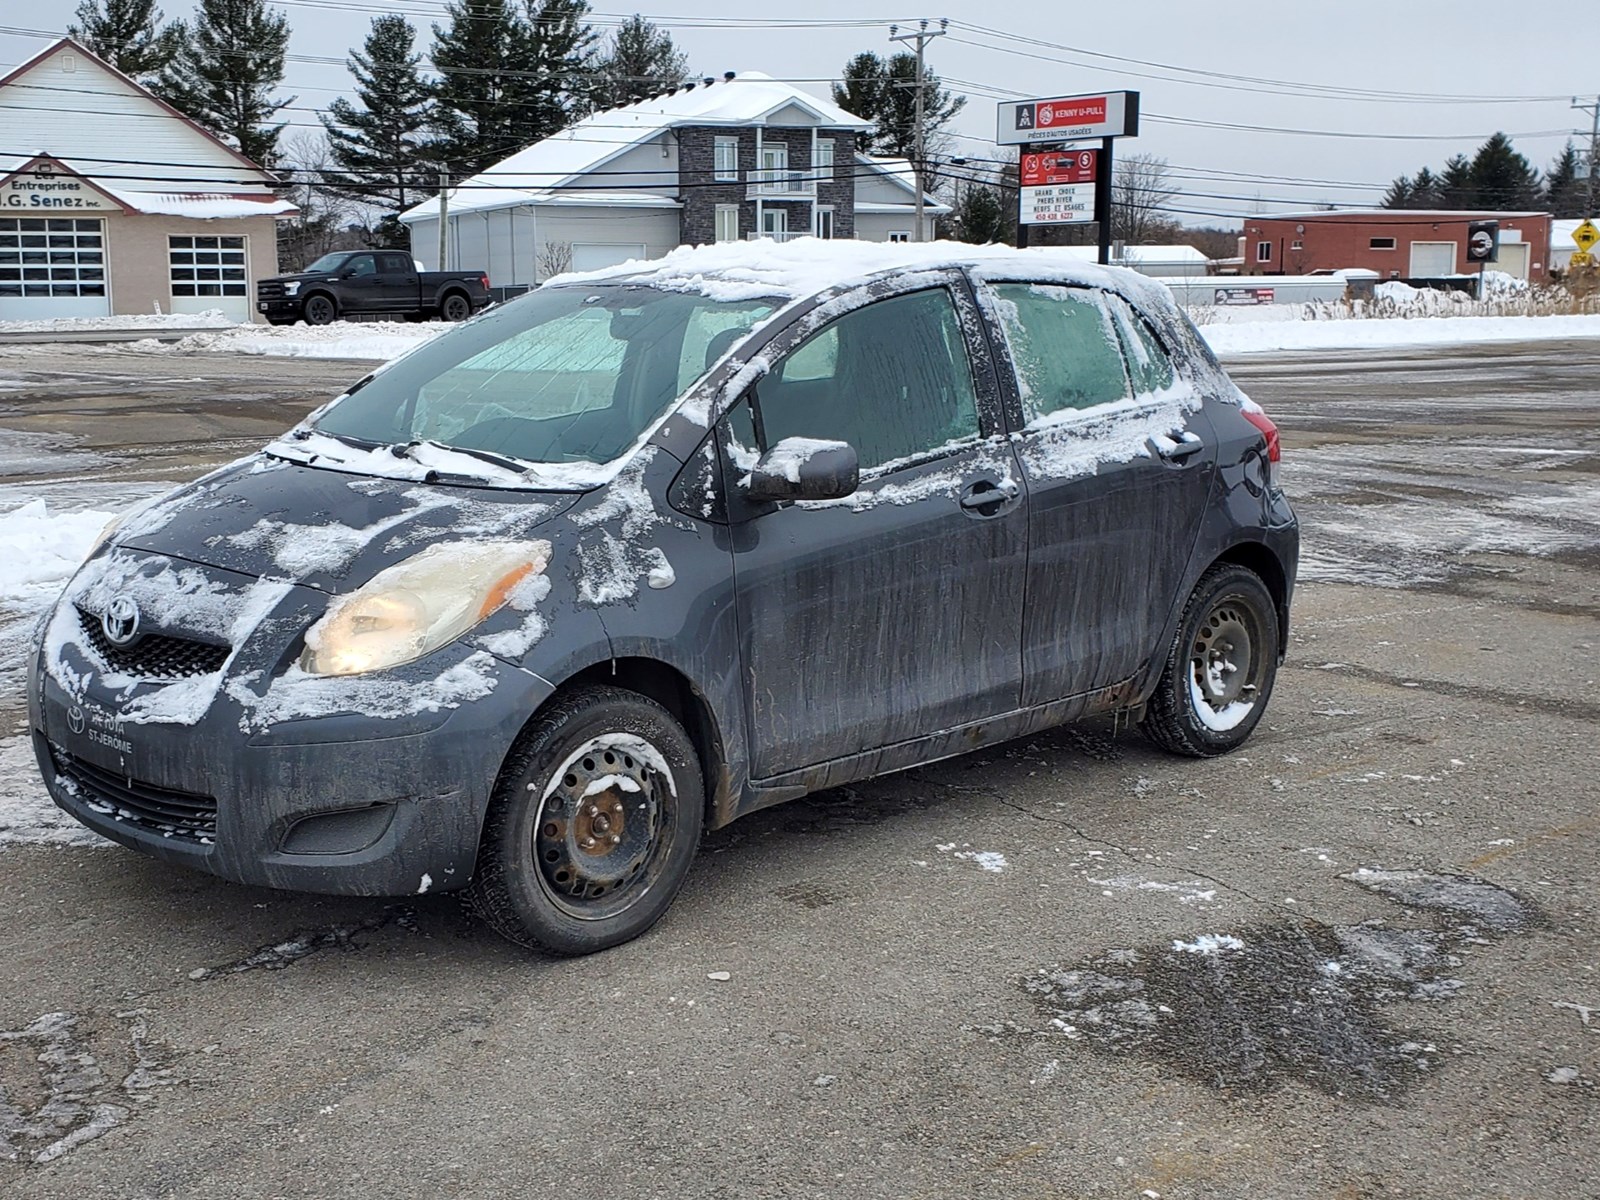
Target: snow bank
point(1272, 336)
point(211, 319)
point(40, 549)
point(341, 339)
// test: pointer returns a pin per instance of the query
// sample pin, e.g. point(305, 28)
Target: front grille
point(269, 291)
point(184, 815)
point(155, 656)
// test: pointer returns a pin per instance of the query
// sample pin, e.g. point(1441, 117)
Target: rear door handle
point(1179, 449)
point(989, 498)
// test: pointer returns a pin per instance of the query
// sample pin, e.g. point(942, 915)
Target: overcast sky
point(1518, 65)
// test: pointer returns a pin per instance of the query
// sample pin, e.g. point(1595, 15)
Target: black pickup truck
point(352, 282)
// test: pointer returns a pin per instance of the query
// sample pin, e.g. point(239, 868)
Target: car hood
point(326, 529)
point(303, 277)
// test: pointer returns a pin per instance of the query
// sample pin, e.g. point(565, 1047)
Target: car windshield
point(562, 375)
point(327, 262)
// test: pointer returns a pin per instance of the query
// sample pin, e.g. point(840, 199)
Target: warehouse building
point(1398, 243)
point(113, 202)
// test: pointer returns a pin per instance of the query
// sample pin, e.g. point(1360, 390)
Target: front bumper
point(280, 306)
point(347, 803)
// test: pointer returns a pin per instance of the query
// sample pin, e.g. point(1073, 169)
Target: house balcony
point(781, 183)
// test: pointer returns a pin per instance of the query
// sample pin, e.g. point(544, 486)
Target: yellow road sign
point(1586, 235)
point(1581, 258)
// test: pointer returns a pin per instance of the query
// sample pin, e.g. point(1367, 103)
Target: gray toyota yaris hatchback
point(526, 610)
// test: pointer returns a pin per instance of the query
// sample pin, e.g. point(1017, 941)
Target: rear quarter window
point(1066, 348)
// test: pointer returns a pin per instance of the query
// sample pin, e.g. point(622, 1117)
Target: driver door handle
point(990, 498)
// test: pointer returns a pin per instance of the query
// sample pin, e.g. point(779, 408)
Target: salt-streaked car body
point(337, 643)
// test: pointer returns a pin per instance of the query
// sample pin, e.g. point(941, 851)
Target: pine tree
point(554, 49)
point(1456, 187)
point(980, 216)
point(638, 61)
point(474, 94)
point(380, 149)
point(1401, 194)
point(128, 35)
point(884, 92)
point(1565, 195)
point(230, 63)
point(1503, 179)
point(1426, 190)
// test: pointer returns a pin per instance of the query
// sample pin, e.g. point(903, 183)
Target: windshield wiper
point(486, 456)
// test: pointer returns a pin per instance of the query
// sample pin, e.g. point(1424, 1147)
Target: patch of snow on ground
point(341, 339)
point(1276, 335)
point(27, 814)
point(213, 318)
point(1209, 943)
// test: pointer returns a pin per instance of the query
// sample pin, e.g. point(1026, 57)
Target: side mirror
point(805, 469)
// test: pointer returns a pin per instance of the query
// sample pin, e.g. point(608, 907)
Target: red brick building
point(1397, 243)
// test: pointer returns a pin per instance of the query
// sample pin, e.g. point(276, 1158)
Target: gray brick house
point(736, 158)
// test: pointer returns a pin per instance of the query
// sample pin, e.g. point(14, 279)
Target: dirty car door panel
point(894, 612)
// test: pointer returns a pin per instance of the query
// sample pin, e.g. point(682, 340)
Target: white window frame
point(1297, 245)
point(899, 235)
point(209, 266)
point(824, 155)
point(775, 222)
point(1263, 251)
point(1373, 243)
point(820, 214)
point(727, 223)
point(725, 159)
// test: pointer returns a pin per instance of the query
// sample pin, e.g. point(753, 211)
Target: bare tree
point(1141, 190)
point(555, 258)
point(330, 218)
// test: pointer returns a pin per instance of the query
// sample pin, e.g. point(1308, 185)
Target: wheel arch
point(327, 294)
point(452, 289)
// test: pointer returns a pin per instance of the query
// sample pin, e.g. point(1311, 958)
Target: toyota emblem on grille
point(120, 623)
point(75, 719)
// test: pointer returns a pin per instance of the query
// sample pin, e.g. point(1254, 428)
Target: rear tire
point(1220, 671)
point(455, 307)
point(593, 826)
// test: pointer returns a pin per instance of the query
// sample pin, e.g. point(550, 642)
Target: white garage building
point(113, 202)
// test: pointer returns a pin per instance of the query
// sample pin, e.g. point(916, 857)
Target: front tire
point(1220, 671)
point(319, 310)
point(593, 826)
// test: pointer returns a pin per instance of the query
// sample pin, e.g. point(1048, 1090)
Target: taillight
point(1274, 448)
point(484, 279)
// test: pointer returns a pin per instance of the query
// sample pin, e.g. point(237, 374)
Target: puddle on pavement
point(1318, 1004)
point(306, 942)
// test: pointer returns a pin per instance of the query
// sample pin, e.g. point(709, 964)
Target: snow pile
point(341, 339)
point(1273, 336)
point(39, 550)
point(210, 319)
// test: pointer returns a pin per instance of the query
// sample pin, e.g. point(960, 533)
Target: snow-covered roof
point(1143, 255)
point(1561, 232)
point(70, 107)
point(732, 271)
point(898, 173)
point(536, 175)
point(1453, 214)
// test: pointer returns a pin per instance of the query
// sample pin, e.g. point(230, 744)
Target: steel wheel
point(601, 832)
point(593, 825)
point(1218, 676)
point(320, 310)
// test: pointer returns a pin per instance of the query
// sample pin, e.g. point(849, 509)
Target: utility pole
point(922, 37)
point(1594, 148)
point(444, 215)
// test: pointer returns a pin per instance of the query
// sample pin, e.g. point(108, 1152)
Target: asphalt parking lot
point(1357, 959)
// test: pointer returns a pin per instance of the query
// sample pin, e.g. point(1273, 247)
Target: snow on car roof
point(733, 271)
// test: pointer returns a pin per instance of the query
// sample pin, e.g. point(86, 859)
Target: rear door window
point(892, 378)
point(1149, 365)
point(1066, 348)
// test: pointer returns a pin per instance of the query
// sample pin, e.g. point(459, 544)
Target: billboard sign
point(1058, 188)
point(1068, 118)
point(1483, 241)
point(1245, 295)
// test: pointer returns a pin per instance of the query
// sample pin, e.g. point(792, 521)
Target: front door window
point(775, 223)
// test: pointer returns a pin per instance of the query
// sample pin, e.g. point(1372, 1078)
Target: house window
point(822, 221)
point(1381, 244)
point(774, 177)
point(824, 156)
point(209, 266)
point(900, 235)
point(775, 223)
point(727, 222)
point(1263, 251)
point(726, 162)
point(1297, 245)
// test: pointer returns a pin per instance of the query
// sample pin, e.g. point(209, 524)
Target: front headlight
point(291, 289)
point(413, 608)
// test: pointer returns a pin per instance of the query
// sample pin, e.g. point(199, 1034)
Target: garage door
point(52, 267)
point(592, 256)
point(1430, 260)
point(210, 273)
point(1513, 259)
